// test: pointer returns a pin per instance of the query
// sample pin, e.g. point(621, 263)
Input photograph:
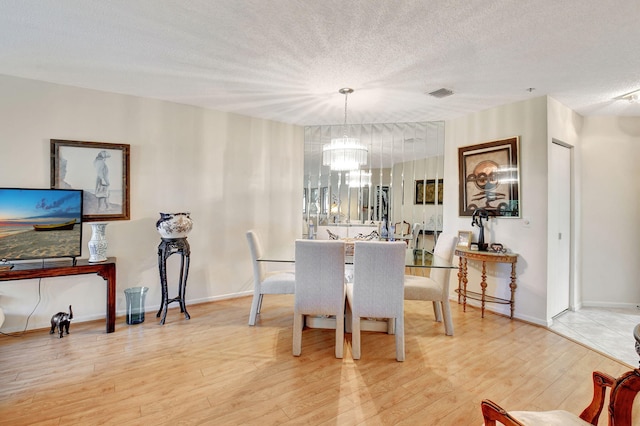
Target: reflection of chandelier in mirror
point(344, 153)
point(358, 179)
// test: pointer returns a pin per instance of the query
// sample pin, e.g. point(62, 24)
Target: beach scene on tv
point(40, 223)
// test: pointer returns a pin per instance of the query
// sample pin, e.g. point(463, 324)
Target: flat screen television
point(40, 223)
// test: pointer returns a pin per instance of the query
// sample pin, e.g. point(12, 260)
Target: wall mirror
point(400, 180)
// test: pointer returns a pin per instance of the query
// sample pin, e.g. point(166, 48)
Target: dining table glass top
point(414, 258)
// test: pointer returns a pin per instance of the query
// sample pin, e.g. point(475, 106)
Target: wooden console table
point(484, 257)
point(61, 268)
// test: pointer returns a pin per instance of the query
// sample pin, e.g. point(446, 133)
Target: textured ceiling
point(286, 59)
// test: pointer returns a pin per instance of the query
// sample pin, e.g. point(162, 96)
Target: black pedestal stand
point(167, 247)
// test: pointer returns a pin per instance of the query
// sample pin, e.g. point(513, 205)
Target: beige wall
point(527, 120)
point(610, 228)
point(231, 172)
point(606, 151)
point(234, 173)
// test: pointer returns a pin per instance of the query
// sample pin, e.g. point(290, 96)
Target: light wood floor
point(215, 369)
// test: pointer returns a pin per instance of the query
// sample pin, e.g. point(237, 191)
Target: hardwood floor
point(215, 369)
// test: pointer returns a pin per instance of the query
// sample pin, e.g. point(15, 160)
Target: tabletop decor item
point(476, 220)
point(62, 321)
point(174, 225)
point(497, 248)
point(98, 243)
point(464, 239)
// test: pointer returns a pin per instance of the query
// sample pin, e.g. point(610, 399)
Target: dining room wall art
point(100, 169)
point(425, 193)
point(489, 178)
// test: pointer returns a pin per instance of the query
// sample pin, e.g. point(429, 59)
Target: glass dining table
point(414, 258)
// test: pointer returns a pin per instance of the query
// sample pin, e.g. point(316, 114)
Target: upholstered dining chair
point(273, 282)
point(377, 289)
point(403, 228)
point(620, 410)
point(435, 288)
point(320, 288)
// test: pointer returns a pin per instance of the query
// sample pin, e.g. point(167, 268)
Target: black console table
point(61, 268)
point(167, 247)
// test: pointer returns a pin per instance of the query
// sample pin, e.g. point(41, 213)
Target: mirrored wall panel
point(357, 177)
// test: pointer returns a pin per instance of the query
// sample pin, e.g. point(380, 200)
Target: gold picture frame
point(425, 193)
point(100, 169)
point(464, 239)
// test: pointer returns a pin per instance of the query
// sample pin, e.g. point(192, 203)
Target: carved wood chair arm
point(600, 383)
point(492, 412)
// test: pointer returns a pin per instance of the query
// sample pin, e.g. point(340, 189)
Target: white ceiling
point(286, 59)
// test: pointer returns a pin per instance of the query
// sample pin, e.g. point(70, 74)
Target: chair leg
point(260, 303)
point(355, 337)
point(399, 338)
point(448, 321)
point(348, 318)
point(391, 325)
point(437, 310)
point(298, 322)
point(255, 308)
point(339, 335)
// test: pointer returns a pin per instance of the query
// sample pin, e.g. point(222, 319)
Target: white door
point(560, 230)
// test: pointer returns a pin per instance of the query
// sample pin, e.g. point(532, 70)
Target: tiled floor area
point(607, 330)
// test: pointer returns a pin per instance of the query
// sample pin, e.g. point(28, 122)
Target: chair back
point(444, 248)
point(256, 252)
point(623, 394)
point(378, 279)
point(403, 228)
point(319, 277)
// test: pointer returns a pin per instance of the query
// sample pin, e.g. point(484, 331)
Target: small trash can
point(135, 304)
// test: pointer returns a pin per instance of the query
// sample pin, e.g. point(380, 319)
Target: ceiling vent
point(441, 93)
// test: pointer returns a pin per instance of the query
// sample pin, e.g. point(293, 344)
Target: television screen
point(40, 223)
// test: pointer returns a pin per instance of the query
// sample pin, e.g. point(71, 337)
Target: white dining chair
point(377, 290)
point(273, 282)
point(435, 288)
point(320, 288)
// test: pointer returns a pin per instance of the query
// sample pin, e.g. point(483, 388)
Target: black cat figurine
point(62, 320)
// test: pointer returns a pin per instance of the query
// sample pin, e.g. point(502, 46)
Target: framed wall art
point(489, 178)
point(100, 169)
point(425, 193)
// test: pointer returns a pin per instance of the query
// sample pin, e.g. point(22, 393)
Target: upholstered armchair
point(620, 410)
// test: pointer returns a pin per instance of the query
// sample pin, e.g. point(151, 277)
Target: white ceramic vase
point(174, 225)
point(98, 243)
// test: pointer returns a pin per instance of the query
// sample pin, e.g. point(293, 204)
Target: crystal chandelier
point(344, 153)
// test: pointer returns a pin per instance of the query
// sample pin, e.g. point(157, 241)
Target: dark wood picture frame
point(489, 178)
point(101, 170)
point(426, 193)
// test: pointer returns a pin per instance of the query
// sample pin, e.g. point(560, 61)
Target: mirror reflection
point(385, 178)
